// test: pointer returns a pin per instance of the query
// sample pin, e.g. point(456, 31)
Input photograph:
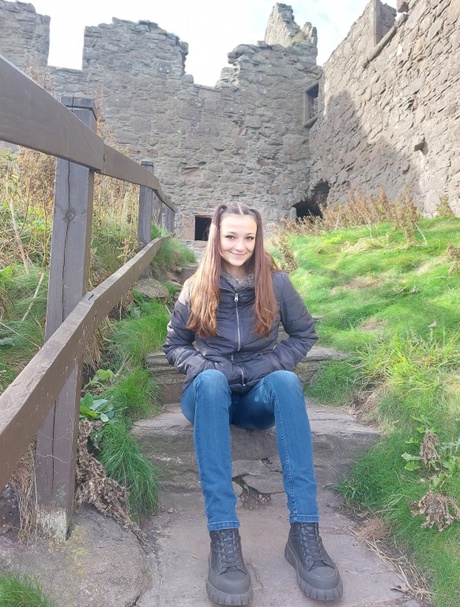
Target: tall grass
point(135, 328)
point(123, 461)
point(145, 332)
point(387, 286)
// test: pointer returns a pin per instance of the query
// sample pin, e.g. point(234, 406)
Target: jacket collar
point(227, 280)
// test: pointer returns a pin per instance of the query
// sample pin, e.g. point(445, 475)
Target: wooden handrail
point(28, 115)
point(27, 400)
point(43, 401)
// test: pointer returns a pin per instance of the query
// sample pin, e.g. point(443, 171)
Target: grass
point(21, 591)
point(172, 254)
point(135, 394)
point(120, 346)
point(389, 297)
point(145, 332)
point(123, 461)
point(335, 383)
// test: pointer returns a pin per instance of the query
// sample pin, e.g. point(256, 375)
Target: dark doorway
point(202, 225)
point(312, 205)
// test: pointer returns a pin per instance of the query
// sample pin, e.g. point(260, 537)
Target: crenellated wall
point(385, 112)
point(24, 35)
point(243, 139)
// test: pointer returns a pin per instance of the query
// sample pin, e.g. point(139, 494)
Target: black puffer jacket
point(237, 351)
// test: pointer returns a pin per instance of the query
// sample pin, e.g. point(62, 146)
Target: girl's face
point(237, 242)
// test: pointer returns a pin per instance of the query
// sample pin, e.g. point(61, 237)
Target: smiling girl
point(223, 335)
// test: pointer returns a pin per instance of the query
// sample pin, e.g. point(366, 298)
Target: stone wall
point(24, 35)
point(276, 131)
point(389, 113)
point(242, 139)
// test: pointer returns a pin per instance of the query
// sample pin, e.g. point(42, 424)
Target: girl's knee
point(212, 377)
point(211, 382)
point(287, 379)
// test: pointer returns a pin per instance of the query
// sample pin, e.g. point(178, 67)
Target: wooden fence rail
point(43, 401)
point(29, 115)
point(27, 400)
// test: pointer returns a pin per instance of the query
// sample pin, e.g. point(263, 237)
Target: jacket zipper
point(238, 336)
point(237, 323)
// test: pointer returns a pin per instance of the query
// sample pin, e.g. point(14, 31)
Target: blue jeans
point(276, 400)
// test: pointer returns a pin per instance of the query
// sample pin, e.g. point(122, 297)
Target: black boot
point(317, 576)
point(229, 582)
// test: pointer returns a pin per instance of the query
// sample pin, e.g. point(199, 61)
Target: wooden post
point(169, 220)
point(69, 270)
point(144, 221)
point(156, 213)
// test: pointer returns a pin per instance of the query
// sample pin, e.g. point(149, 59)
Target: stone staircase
point(170, 381)
point(167, 440)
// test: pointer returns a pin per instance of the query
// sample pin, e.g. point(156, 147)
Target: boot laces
point(229, 550)
point(312, 546)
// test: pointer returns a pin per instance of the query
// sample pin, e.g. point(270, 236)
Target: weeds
point(444, 209)
point(438, 463)
point(111, 398)
point(26, 199)
point(172, 253)
point(411, 362)
point(123, 462)
point(95, 486)
point(136, 394)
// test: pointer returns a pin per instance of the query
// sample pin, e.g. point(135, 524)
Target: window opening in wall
point(202, 225)
point(311, 206)
point(311, 105)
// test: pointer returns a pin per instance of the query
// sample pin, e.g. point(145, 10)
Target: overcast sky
point(212, 28)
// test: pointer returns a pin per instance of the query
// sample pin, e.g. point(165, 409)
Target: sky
point(212, 28)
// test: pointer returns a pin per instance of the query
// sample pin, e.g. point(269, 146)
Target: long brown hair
point(205, 292)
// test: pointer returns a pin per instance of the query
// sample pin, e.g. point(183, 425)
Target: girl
point(223, 335)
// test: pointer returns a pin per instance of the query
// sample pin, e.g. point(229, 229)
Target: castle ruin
point(277, 131)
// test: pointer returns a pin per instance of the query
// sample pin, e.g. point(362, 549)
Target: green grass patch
point(392, 303)
point(172, 252)
point(141, 334)
point(135, 394)
point(124, 462)
point(21, 591)
point(380, 483)
point(334, 383)
point(19, 342)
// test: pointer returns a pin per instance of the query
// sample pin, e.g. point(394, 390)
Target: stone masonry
point(277, 131)
point(389, 107)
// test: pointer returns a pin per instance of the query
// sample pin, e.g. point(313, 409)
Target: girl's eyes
point(231, 237)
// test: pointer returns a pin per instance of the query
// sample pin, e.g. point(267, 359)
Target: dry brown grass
point(358, 210)
point(23, 484)
point(375, 534)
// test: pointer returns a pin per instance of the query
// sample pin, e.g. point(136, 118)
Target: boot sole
point(318, 594)
point(224, 598)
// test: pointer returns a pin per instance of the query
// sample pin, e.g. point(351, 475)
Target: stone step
point(170, 381)
point(167, 441)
